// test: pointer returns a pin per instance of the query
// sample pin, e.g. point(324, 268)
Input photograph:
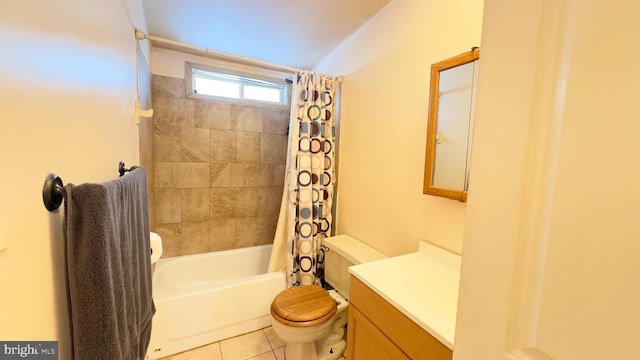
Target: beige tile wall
point(218, 171)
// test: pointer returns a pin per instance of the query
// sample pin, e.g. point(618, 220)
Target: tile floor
point(263, 344)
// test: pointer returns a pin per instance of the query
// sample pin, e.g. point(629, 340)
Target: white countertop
point(422, 285)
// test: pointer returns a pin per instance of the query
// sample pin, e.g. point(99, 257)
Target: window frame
point(190, 93)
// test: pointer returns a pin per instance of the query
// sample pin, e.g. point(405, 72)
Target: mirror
point(450, 125)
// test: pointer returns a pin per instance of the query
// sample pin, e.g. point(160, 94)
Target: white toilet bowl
point(301, 342)
point(301, 316)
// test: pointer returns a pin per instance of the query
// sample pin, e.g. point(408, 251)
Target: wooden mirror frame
point(429, 163)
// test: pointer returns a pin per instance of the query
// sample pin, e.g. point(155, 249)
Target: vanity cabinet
point(379, 331)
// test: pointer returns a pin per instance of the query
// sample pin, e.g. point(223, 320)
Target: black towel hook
point(122, 169)
point(52, 192)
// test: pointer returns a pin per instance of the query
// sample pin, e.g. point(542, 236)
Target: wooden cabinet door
point(367, 342)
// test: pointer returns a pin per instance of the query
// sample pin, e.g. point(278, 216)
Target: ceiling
point(295, 33)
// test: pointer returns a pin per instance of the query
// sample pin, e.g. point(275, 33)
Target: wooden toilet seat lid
point(303, 306)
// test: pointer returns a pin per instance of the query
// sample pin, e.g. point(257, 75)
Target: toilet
point(312, 320)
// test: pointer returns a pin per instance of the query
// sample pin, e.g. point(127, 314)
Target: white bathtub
point(205, 298)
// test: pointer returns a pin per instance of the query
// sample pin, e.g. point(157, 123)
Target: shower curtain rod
point(236, 58)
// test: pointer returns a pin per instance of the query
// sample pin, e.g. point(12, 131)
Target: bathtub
point(205, 298)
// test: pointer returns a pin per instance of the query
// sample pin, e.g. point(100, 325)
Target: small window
point(226, 84)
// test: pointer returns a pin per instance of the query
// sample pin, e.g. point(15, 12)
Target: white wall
point(385, 102)
point(552, 245)
point(171, 63)
point(67, 93)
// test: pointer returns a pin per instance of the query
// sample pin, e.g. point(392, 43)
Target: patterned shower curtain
point(310, 180)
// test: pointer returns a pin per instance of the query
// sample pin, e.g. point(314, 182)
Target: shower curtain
point(305, 212)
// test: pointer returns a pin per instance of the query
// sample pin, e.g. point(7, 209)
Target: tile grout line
point(273, 350)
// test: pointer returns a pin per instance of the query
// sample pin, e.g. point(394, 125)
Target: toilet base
point(308, 351)
point(332, 346)
point(333, 352)
point(304, 351)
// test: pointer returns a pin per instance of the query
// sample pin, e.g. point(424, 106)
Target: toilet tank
point(342, 252)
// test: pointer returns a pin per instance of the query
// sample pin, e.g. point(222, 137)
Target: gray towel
point(109, 268)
